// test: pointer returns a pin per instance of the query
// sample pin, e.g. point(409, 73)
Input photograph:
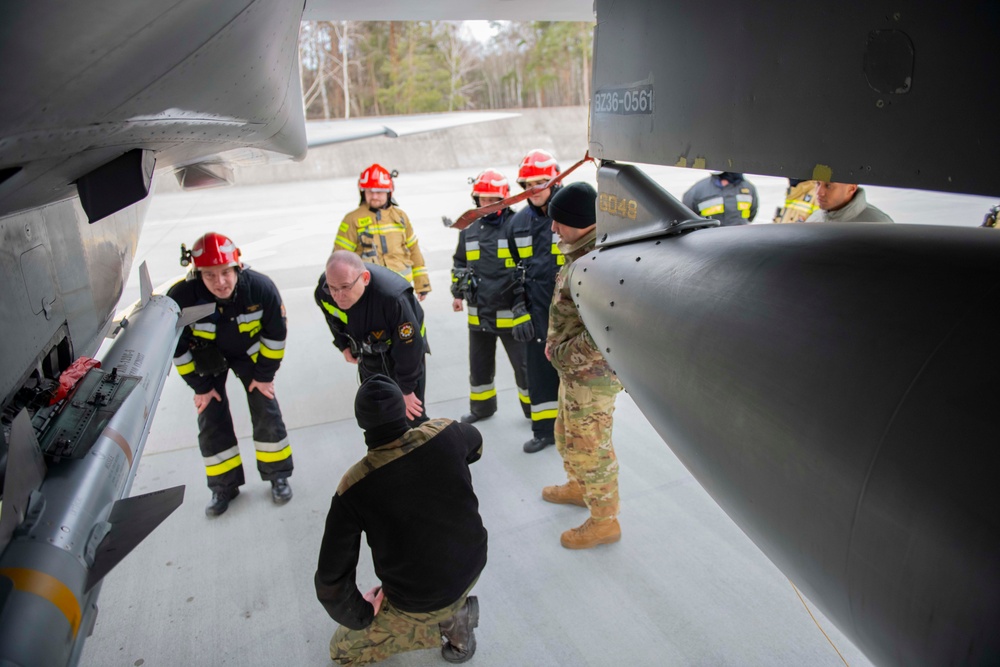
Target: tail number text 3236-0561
point(624, 101)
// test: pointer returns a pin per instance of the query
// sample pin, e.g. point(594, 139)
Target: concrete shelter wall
point(559, 130)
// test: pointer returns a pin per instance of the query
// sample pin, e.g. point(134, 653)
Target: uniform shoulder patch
point(406, 331)
point(253, 308)
point(745, 191)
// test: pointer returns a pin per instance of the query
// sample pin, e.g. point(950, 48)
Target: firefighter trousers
point(217, 439)
point(482, 369)
point(543, 380)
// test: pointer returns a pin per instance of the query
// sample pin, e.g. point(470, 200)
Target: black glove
point(524, 331)
point(458, 283)
point(208, 359)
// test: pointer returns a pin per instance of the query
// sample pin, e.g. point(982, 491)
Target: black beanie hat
point(380, 410)
point(574, 206)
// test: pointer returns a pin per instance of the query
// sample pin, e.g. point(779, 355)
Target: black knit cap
point(574, 206)
point(380, 410)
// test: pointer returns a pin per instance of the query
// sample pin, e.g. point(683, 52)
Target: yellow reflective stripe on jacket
point(272, 349)
point(419, 271)
point(473, 316)
point(184, 363)
point(503, 249)
point(249, 323)
point(412, 241)
point(204, 330)
point(525, 249)
point(336, 312)
point(505, 319)
point(345, 244)
point(471, 251)
point(743, 204)
point(388, 228)
point(560, 257)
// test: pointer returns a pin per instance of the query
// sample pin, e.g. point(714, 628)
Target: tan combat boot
point(591, 534)
point(570, 493)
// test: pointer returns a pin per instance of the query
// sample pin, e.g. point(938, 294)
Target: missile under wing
point(829, 385)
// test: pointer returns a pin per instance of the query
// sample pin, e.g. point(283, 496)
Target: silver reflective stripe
point(522, 241)
point(541, 407)
point(502, 243)
point(185, 358)
point(745, 198)
point(471, 245)
point(222, 457)
point(253, 349)
point(250, 317)
point(473, 311)
point(204, 326)
point(270, 446)
point(709, 203)
point(482, 387)
point(272, 344)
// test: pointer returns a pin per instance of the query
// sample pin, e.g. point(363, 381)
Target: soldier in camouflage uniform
point(587, 388)
point(412, 495)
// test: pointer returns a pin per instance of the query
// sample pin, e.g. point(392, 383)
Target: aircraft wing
point(324, 132)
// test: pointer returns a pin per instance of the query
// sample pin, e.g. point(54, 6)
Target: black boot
point(537, 444)
point(457, 632)
point(220, 501)
point(281, 491)
point(472, 418)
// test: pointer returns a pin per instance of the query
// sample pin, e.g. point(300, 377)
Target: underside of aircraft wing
point(324, 132)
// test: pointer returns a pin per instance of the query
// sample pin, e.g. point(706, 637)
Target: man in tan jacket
point(379, 232)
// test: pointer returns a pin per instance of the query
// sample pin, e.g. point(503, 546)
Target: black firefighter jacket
point(490, 251)
point(387, 323)
point(248, 329)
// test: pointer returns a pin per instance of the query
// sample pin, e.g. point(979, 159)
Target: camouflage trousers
point(583, 439)
point(392, 631)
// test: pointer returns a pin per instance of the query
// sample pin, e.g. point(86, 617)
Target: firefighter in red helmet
point(485, 275)
point(246, 333)
point(380, 232)
point(540, 259)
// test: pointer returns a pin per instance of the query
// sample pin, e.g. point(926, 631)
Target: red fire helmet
point(376, 178)
point(490, 183)
point(215, 250)
point(537, 165)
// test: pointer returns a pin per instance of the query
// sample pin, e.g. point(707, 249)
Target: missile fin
point(132, 520)
point(194, 313)
point(145, 285)
point(25, 471)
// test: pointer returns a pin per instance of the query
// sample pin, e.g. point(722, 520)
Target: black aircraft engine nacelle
point(834, 388)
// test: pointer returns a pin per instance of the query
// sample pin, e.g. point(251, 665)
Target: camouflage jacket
point(574, 354)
